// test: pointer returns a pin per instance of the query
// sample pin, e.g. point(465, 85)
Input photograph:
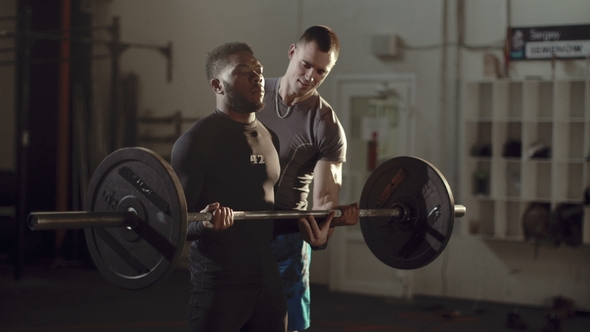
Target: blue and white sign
point(539, 43)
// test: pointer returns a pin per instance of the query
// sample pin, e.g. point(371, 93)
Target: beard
point(239, 103)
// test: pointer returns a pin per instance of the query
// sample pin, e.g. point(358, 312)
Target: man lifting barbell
point(136, 209)
point(230, 158)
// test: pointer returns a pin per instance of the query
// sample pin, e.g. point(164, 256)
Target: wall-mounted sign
point(539, 43)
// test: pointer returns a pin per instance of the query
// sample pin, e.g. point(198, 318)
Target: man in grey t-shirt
point(312, 148)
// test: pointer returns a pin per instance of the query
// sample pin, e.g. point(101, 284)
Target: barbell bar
point(83, 219)
point(135, 217)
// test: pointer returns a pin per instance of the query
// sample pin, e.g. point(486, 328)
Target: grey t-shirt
point(309, 132)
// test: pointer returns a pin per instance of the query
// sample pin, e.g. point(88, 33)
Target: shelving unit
point(498, 183)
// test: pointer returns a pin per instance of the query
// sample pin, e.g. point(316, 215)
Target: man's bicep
point(326, 184)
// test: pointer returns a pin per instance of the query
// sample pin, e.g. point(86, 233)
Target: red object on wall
point(372, 153)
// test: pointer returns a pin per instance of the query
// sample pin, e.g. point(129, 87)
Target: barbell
point(135, 219)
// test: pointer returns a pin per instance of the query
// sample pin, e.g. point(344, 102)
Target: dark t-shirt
point(235, 164)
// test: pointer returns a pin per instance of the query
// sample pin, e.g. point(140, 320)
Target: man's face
point(243, 83)
point(308, 67)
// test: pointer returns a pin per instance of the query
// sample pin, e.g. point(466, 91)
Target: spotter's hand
point(349, 217)
point(313, 233)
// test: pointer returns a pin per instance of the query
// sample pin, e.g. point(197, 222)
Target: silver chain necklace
point(289, 108)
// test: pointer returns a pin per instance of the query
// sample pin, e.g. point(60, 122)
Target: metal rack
point(24, 38)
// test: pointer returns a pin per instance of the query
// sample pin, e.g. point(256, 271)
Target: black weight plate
point(418, 240)
point(138, 179)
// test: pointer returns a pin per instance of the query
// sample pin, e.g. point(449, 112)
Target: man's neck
point(289, 97)
point(237, 116)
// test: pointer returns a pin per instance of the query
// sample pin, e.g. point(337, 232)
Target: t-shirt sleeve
point(188, 167)
point(331, 138)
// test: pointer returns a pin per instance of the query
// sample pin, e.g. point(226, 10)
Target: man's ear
point(292, 50)
point(217, 86)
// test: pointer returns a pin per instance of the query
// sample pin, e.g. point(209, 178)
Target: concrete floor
point(80, 299)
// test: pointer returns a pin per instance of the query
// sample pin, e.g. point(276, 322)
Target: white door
point(372, 109)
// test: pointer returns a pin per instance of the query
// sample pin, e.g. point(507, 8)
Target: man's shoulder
point(201, 127)
point(323, 103)
point(323, 107)
point(201, 121)
point(205, 129)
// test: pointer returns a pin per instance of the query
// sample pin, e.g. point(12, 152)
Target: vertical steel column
point(23, 136)
point(63, 123)
point(115, 49)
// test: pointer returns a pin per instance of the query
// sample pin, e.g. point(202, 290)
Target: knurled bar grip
point(273, 214)
point(84, 219)
point(87, 219)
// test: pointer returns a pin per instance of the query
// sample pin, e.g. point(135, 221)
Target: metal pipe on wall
point(63, 122)
point(23, 137)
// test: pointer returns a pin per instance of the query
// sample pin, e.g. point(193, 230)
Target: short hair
point(325, 38)
point(219, 57)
